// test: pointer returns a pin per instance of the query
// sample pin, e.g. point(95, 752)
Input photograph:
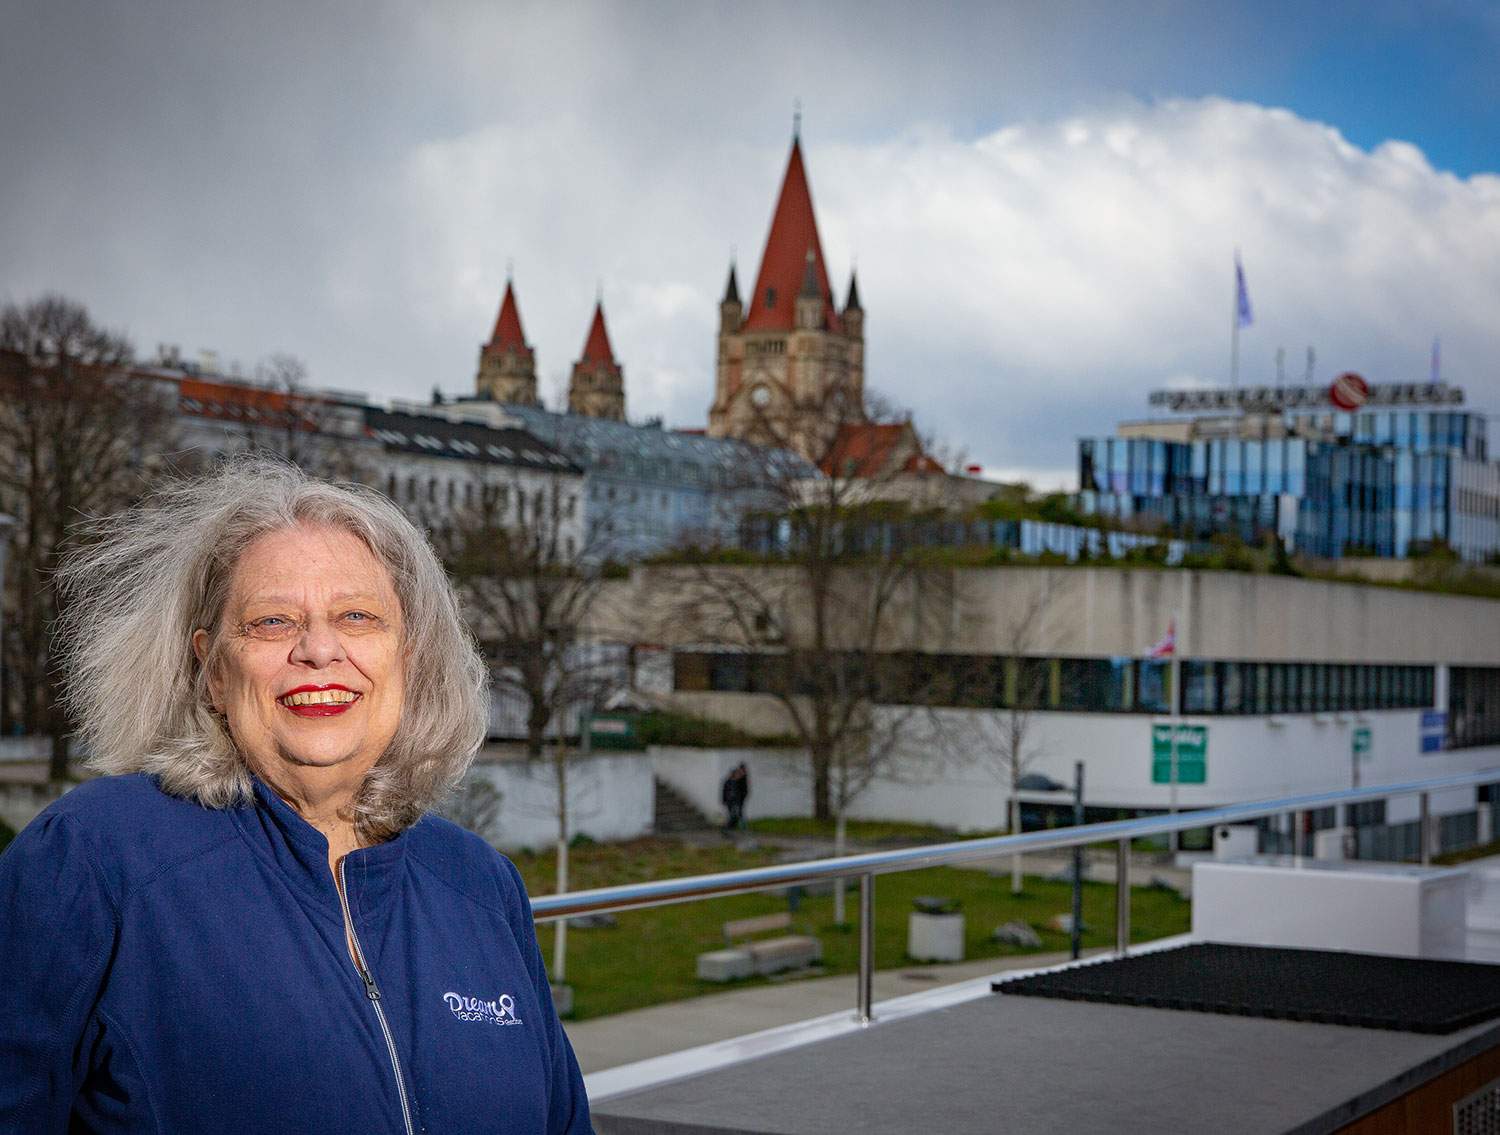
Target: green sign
point(1192, 754)
point(1361, 741)
point(614, 731)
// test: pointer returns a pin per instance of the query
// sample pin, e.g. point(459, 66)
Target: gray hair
point(143, 580)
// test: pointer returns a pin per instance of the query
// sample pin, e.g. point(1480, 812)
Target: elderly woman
point(255, 924)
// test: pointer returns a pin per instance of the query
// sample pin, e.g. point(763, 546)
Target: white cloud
point(1022, 287)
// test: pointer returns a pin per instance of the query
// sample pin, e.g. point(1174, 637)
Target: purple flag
point(1241, 295)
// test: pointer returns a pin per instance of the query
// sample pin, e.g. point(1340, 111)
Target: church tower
point(507, 366)
point(597, 388)
point(790, 364)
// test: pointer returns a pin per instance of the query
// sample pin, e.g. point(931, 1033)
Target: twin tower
point(791, 363)
point(507, 367)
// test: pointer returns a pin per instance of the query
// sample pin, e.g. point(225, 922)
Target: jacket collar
point(299, 852)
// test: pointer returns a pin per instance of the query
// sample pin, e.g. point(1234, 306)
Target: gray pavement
point(623, 1038)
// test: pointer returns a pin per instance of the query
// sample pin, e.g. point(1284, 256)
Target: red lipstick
point(321, 708)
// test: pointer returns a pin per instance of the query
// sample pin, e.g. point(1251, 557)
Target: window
point(1200, 687)
point(1473, 706)
point(1154, 683)
point(1232, 691)
point(1125, 685)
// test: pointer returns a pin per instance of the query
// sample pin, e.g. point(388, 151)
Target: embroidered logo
point(500, 1011)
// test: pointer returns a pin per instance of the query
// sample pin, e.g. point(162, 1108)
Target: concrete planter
point(935, 937)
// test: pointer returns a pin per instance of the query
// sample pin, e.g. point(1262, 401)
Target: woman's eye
point(272, 626)
point(360, 618)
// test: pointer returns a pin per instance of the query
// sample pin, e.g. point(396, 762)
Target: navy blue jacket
point(166, 967)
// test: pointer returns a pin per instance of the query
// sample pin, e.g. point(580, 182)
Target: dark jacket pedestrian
point(735, 792)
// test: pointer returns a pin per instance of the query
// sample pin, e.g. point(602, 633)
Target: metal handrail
point(866, 865)
point(661, 892)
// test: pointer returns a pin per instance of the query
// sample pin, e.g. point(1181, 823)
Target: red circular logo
point(1349, 391)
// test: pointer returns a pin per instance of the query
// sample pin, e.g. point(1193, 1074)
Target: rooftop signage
point(1274, 399)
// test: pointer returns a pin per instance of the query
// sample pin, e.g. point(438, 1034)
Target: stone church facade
point(790, 367)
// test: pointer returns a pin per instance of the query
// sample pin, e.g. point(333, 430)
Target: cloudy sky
point(1043, 201)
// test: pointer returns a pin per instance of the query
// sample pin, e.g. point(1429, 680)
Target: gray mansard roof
point(432, 436)
point(648, 452)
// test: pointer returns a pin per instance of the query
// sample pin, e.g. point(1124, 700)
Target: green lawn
point(650, 956)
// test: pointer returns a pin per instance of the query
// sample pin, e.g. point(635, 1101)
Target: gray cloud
point(1039, 239)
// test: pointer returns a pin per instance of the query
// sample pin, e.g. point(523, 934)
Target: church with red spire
point(790, 360)
point(507, 364)
point(597, 387)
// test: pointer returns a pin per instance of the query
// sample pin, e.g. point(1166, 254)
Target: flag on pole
point(1437, 361)
point(1166, 646)
point(1243, 316)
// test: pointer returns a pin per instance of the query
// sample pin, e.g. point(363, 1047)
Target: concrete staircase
point(675, 814)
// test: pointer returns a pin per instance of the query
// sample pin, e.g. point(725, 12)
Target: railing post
point(1122, 898)
point(1425, 833)
point(863, 1013)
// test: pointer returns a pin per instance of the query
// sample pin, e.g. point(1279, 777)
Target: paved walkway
point(623, 1038)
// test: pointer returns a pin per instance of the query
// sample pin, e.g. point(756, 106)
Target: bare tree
point(1024, 692)
point(308, 429)
point(80, 434)
point(475, 804)
point(529, 582)
point(833, 593)
point(522, 565)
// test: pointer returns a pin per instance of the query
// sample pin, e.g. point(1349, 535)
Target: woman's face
point(312, 672)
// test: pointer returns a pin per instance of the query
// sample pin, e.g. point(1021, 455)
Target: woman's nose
point(318, 645)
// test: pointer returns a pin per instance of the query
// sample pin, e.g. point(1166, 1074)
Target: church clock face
point(760, 397)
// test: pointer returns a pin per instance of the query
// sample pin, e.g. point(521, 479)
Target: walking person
point(735, 792)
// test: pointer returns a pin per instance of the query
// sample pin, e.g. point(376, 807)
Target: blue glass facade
point(1379, 483)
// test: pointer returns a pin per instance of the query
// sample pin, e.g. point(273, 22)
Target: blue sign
point(1434, 735)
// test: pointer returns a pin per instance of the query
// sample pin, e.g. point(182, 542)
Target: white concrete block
point(1372, 908)
point(725, 965)
point(935, 937)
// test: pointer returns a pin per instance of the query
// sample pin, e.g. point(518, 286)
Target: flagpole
point(1234, 332)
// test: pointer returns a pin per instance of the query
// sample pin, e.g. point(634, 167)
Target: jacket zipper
point(372, 991)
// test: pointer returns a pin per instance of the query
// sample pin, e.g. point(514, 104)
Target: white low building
point(1287, 686)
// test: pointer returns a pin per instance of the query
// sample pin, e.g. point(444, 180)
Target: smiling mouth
point(318, 703)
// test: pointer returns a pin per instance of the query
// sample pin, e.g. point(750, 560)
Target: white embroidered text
point(500, 1011)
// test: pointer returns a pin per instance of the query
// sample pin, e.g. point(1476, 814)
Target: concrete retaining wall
point(610, 797)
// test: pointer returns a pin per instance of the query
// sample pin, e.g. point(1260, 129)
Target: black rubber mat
point(1419, 995)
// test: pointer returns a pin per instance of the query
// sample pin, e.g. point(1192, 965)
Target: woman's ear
point(201, 641)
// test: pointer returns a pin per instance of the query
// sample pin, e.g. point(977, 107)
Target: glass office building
point(1383, 482)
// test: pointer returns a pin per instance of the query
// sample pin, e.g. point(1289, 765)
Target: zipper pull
point(372, 991)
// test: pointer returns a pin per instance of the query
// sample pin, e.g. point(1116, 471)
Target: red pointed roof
point(794, 231)
point(507, 331)
point(597, 349)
